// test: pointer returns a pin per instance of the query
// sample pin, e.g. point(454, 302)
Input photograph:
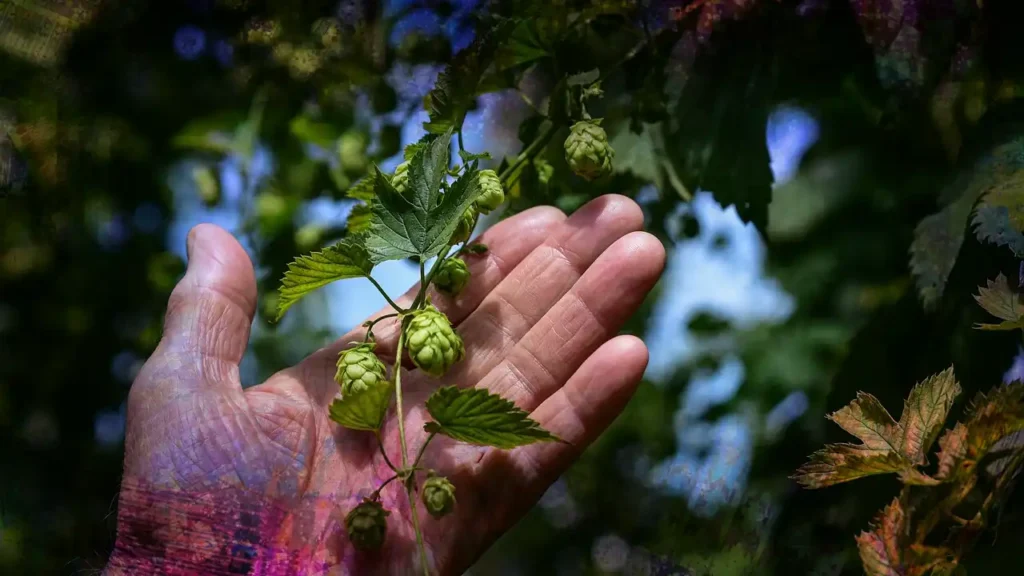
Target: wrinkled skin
point(539, 320)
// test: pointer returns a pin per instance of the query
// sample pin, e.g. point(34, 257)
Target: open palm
point(216, 475)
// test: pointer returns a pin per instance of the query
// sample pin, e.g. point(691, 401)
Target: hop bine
point(587, 151)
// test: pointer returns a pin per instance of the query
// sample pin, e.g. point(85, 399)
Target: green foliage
point(421, 222)
point(477, 416)
point(363, 410)
point(347, 259)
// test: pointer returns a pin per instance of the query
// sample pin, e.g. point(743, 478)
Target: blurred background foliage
point(821, 172)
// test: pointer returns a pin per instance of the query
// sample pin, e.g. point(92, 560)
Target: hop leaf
point(419, 223)
point(925, 412)
point(365, 410)
point(888, 446)
point(359, 369)
point(1001, 301)
point(587, 151)
point(347, 259)
point(438, 496)
point(367, 525)
point(881, 549)
point(477, 416)
point(433, 344)
point(491, 194)
point(452, 276)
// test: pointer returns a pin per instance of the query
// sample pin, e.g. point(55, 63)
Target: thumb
point(210, 311)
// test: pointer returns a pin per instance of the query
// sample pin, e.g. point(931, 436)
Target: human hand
point(224, 480)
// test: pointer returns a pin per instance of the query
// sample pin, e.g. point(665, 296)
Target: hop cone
point(452, 276)
point(465, 227)
point(491, 194)
point(400, 180)
point(367, 525)
point(359, 368)
point(352, 152)
point(587, 151)
point(438, 496)
point(433, 344)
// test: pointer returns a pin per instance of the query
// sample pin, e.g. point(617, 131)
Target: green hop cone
point(400, 181)
point(465, 227)
point(491, 194)
point(452, 276)
point(352, 152)
point(438, 496)
point(367, 525)
point(587, 151)
point(359, 368)
point(433, 344)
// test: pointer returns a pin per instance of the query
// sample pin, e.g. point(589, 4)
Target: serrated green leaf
point(838, 463)
point(420, 222)
point(583, 78)
point(362, 190)
point(881, 549)
point(925, 412)
point(347, 259)
point(524, 45)
point(468, 157)
point(999, 218)
point(413, 149)
point(364, 410)
point(1003, 302)
point(456, 85)
point(938, 238)
point(358, 221)
point(477, 416)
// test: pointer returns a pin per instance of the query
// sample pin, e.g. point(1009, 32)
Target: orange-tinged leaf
point(924, 413)
point(952, 449)
point(922, 560)
point(992, 417)
point(1003, 302)
point(881, 549)
point(838, 463)
point(915, 477)
point(869, 421)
